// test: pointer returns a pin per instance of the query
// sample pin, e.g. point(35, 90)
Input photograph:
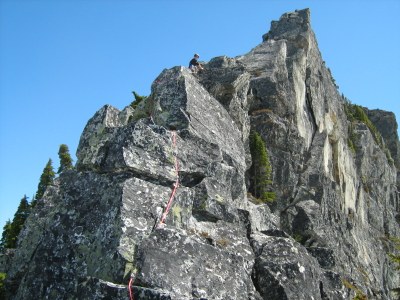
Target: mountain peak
point(290, 25)
point(184, 155)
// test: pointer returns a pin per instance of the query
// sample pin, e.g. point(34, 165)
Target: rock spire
point(324, 237)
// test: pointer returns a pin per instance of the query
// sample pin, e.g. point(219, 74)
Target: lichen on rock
point(327, 231)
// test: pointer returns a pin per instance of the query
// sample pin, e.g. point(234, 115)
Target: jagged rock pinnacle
point(94, 234)
point(290, 25)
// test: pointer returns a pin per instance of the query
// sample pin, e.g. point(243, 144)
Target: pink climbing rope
point(176, 184)
point(130, 288)
point(171, 198)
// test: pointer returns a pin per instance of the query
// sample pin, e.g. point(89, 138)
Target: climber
point(194, 65)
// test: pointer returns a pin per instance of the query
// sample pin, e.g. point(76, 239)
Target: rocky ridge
point(325, 236)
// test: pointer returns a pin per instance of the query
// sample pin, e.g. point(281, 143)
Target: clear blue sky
point(60, 61)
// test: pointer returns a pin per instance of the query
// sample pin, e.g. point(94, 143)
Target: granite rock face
point(385, 123)
point(325, 236)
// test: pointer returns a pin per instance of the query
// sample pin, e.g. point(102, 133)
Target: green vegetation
point(65, 159)
point(360, 296)
point(333, 79)
point(12, 229)
point(6, 238)
point(46, 179)
point(298, 237)
point(359, 293)
point(2, 288)
point(137, 100)
point(356, 113)
point(142, 108)
point(395, 257)
point(351, 141)
point(260, 171)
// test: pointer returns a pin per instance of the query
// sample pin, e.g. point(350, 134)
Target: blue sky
point(60, 61)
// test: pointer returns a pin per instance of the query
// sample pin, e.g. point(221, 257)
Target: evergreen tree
point(12, 229)
point(137, 100)
point(260, 171)
point(65, 158)
point(18, 222)
point(46, 179)
point(6, 240)
point(33, 202)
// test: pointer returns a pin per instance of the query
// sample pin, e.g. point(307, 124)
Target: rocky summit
point(183, 154)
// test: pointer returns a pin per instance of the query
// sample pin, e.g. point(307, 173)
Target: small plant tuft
point(395, 257)
point(2, 286)
point(359, 293)
point(223, 243)
point(137, 99)
point(355, 113)
point(204, 234)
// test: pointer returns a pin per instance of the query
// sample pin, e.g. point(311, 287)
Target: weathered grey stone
point(169, 259)
point(283, 270)
point(336, 206)
point(324, 256)
point(295, 105)
point(126, 114)
point(305, 219)
point(93, 288)
point(181, 102)
point(97, 133)
point(258, 218)
point(6, 259)
point(386, 124)
point(226, 79)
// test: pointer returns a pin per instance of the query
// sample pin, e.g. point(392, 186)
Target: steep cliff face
point(386, 123)
point(324, 237)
